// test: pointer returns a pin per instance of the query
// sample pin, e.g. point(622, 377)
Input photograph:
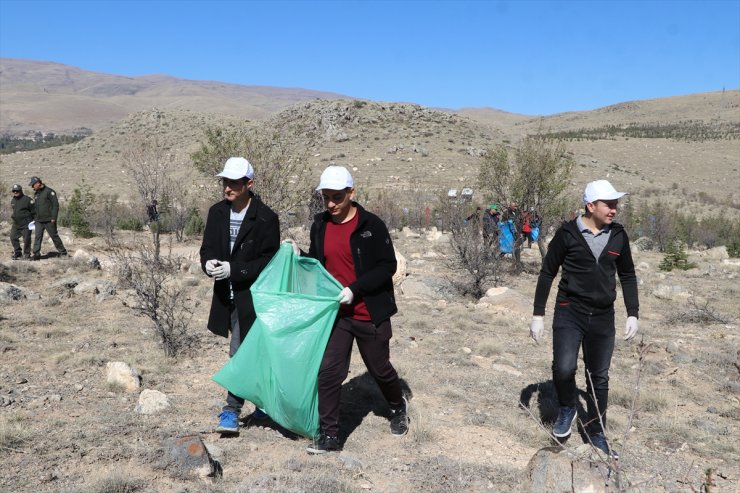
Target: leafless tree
point(281, 167)
point(534, 174)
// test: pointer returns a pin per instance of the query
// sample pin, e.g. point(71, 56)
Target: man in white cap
point(591, 249)
point(355, 247)
point(241, 236)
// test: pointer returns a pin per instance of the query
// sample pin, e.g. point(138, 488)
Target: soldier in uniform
point(22, 216)
point(47, 210)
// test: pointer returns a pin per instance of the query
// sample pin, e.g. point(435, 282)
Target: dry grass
point(14, 434)
point(466, 428)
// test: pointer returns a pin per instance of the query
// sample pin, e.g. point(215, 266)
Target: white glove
point(222, 271)
point(346, 296)
point(296, 250)
point(537, 328)
point(210, 266)
point(631, 328)
point(32, 225)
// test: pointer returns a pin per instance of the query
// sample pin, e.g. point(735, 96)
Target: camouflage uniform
point(47, 210)
point(22, 207)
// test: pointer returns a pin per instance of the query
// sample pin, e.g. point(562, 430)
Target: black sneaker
point(566, 417)
point(258, 418)
point(599, 441)
point(400, 420)
point(63, 254)
point(16, 256)
point(324, 444)
point(36, 256)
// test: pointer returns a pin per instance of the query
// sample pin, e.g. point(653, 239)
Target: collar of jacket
point(571, 227)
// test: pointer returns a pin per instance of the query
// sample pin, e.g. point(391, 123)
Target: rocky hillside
point(682, 149)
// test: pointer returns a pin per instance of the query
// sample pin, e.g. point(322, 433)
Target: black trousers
point(51, 228)
point(16, 233)
point(572, 330)
point(373, 344)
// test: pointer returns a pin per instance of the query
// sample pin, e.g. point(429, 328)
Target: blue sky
point(530, 57)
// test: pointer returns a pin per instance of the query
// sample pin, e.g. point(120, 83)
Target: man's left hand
point(631, 328)
point(346, 296)
point(222, 271)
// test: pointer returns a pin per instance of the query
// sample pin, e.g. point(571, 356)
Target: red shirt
point(340, 264)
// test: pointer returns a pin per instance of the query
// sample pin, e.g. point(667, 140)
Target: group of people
point(354, 245)
point(37, 214)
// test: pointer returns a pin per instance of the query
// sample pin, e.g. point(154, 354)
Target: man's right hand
point(537, 328)
point(211, 266)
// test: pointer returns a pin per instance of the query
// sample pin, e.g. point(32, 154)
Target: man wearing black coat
point(242, 234)
point(22, 216)
point(46, 205)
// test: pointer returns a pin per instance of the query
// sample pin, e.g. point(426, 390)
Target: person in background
point(355, 247)
point(241, 236)
point(21, 217)
point(46, 205)
point(152, 212)
point(527, 220)
point(591, 249)
point(490, 224)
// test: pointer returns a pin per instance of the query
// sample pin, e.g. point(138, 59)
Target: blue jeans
point(572, 330)
point(234, 402)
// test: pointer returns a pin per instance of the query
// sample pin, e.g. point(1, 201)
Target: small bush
point(129, 224)
point(676, 257)
point(195, 224)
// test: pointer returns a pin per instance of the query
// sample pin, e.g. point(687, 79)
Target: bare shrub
point(159, 296)
point(698, 313)
point(116, 481)
point(471, 254)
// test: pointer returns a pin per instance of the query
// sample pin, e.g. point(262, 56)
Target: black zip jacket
point(373, 257)
point(589, 286)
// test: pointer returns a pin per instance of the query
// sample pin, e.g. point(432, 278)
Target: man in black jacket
point(46, 205)
point(242, 234)
point(22, 216)
point(592, 249)
point(355, 247)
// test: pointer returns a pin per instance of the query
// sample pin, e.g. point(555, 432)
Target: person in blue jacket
point(592, 249)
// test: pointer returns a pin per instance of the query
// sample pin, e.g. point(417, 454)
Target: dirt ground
point(465, 365)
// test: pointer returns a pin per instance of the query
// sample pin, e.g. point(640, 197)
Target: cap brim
point(332, 186)
point(231, 176)
point(609, 196)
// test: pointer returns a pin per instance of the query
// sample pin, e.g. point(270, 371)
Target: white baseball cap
point(601, 190)
point(236, 168)
point(335, 178)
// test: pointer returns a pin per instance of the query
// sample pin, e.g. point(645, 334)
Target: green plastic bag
point(277, 364)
